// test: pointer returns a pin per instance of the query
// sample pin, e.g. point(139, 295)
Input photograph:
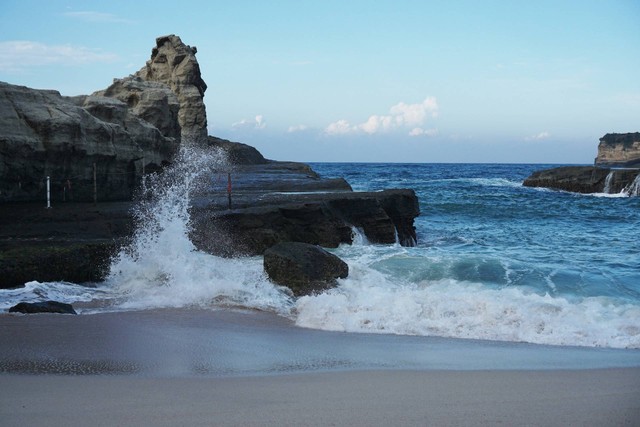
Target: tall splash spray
point(162, 268)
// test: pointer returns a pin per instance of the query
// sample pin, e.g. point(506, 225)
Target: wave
point(369, 301)
point(65, 292)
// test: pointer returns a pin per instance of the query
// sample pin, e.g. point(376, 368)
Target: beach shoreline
point(240, 367)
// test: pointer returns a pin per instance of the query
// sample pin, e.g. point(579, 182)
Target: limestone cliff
point(135, 125)
point(174, 64)
point(45, 134)
point(619, 150)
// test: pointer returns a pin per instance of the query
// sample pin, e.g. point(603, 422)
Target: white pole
point(48, 192)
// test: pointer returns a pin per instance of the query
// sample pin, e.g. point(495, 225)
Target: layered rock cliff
point(134, 125)
point(616, 170)
point(619, 150)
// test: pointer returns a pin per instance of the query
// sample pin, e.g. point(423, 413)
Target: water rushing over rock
point(161, 267)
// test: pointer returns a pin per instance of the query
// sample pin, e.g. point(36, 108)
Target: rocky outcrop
point(70, 242)
point(586, 179)
point(42, 307)
point(303, 268)
point(324, 219)
point(237, 153)
point(174, 65)
point(45, 134)
point(619, 150)
point(133, 126)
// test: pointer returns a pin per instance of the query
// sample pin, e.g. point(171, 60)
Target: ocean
point(494, 261)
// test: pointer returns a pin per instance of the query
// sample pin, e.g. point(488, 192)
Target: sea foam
point(162, 267)
point(374, 302)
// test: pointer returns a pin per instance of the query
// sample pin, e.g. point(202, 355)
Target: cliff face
point(619, 150)
point(134, 125)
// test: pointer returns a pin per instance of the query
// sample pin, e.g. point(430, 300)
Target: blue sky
point(405, 81)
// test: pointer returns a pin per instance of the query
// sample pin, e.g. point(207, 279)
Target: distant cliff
point(619, 150)
point(135, 125)
point(616, 169)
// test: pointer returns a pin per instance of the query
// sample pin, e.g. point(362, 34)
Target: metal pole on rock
point(48, 192)
point(95, 186)
point(229, 189)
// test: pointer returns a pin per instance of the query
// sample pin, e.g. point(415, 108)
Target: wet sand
point(377, 398)
point(201, 367)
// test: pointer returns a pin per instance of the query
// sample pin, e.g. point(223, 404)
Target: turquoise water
point(488, 228)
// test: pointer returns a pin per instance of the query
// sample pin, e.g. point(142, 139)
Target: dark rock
point(303, 268)
point(69, 242)
point(619, 150)
point(59, 261)
point(238, 153)
point(324, 219)
point(42, 307)
point(585, 179)
point(578, 179)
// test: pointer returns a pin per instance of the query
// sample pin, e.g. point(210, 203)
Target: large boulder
point(303, 268)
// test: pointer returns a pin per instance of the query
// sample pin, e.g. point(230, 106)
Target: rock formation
point(174, 66)
point(586, 179)
point(619, 150)
point(42, 307)
point(303, 268)
point(134, 125)
point(326, 219)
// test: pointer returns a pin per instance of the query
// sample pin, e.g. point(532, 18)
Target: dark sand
point(201, 367)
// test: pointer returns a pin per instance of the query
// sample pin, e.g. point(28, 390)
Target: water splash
point(607, 183)
point(162, 267)
point(633, 189)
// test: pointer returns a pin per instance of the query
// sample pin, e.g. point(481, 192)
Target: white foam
point(369, 301)
point(44, 291)
point(162, 267)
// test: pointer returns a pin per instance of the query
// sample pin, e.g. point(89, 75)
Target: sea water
point(494, 260)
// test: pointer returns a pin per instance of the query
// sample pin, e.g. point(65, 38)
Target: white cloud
point(340, 127)
point(297, 128)
point(21, 54)
point(538, 137)
point(91, 16)
point(257, 123)
point(401, 116)
point(423, 132)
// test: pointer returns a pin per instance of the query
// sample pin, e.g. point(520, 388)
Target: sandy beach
point(364, 398)
point(202, 367)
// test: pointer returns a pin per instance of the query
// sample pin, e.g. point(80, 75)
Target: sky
point(362, 81)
